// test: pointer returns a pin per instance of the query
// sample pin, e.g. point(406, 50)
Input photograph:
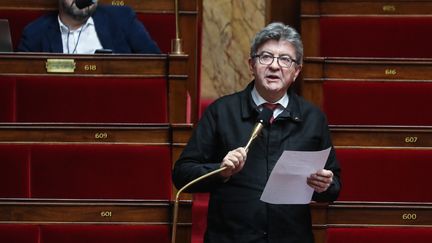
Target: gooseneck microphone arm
point(263, 120)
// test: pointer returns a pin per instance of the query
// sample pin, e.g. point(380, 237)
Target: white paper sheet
point(287, 181)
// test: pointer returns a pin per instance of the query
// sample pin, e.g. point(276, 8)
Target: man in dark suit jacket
point(235, 213)
point(82, 31)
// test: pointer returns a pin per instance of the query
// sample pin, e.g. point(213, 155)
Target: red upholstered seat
point(87, 171)
point(7, 95)
point(91, 100)
point(18, 19)
point(19, 233)
point(379, 235)
point(388, 175)
point(199, 216)
point(65, 233)
point(161, 27)
point(377, 103)
point(383, 36)
point(101, 171)
point(200, 200)
point(204, 104)
point(105, 233)
point(14, 171)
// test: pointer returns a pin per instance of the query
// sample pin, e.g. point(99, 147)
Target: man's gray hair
point(278, 31)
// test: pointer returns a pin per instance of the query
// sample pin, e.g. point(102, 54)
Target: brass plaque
point(60, 65)
point(389, 8)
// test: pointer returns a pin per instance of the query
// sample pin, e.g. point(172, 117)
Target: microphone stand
point(176, 44)
point(255, 132)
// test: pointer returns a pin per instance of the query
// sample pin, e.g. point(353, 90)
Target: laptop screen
point(5, 36)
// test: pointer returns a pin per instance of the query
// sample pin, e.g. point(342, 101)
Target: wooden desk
point(410, 137)
point(172, 68)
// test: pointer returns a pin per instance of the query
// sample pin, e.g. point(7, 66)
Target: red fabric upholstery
point(379, 235)
point(19, 233)
point(105, 233)
point(14, 171)
point(7, 98)
point(377, 103)
point(200, 200)
point(22, 233)
point(204, 104)
point(376, 36)
point(18, 19)
point(389, 175)
point(91, 100)
point(199, 216)
point(100, 171)
point(161, 27)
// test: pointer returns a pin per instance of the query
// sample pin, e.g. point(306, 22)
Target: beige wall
point(228, 27)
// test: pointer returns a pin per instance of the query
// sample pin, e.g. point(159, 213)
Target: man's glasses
point(266, 58)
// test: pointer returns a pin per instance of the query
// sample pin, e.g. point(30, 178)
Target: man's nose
point(275, 63)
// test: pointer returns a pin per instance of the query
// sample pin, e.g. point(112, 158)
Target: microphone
point(84, 3)
point(263, 120)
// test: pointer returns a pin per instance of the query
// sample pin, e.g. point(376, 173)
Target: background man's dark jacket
point(117, 27)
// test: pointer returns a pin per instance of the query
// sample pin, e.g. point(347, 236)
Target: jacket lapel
point(54, 39)
point(102, 29)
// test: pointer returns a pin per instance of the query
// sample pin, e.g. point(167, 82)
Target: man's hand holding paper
point(321, 180)
point(295, 177)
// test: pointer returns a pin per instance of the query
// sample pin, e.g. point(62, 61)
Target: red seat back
point(90, 100)
point(7, 99)
point(85, 171)
point(19, 233)
point(377, 103)
point(381, 36)
point(387, 175)
point(105, 233)
point(14, 171)
point(379, 235)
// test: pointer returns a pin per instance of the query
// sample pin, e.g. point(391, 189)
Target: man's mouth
point(272, 77)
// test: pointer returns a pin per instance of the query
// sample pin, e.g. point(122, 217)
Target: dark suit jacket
point(118, 29)
point(235, 212)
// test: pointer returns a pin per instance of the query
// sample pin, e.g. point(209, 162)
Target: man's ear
point(252, 64)
point(297, 71)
